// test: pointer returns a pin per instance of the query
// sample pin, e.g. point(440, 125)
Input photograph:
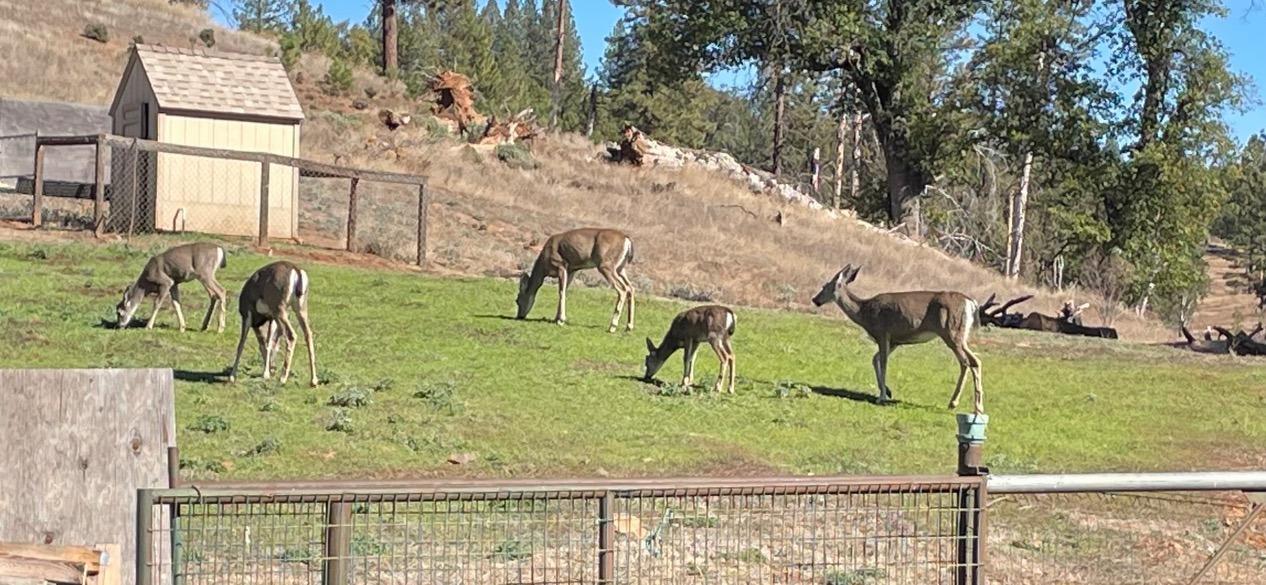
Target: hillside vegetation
point(420, 369)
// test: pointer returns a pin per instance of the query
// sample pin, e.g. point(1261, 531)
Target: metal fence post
point(144, 537)
point(98, 201)
point(263, 203)
point(423, 219)
point(970, 532)
point(351, 215)
point(606, 539)
point(338, 543)
point(37, 199)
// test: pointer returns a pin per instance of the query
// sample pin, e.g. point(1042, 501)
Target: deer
point(908, 318)
point(711, 323)
point(264, 306)
point(565, 254)
point(162, 276)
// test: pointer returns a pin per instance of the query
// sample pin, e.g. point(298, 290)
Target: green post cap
point(971, 427)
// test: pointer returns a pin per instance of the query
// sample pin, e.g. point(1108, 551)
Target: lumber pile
point(455, 100)
point(79, 565)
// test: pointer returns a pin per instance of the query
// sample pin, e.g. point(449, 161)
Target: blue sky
point(1242, 31)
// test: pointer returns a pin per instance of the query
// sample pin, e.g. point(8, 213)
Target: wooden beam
point(351, 216)
point(424, 200)
point(98, 202)
point(37, 198)
point(263, 203)
point(63, 554)
point(52, 571)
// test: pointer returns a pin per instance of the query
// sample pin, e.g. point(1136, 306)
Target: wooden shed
point(209, 99)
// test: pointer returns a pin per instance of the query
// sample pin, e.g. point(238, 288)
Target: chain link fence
point(841, 531)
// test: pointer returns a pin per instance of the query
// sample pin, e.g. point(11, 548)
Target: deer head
point(527, 296)
point(832, 289)
point(127, 307)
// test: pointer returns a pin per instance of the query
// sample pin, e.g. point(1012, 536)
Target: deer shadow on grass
point(549, 320)
point(136, 323)
point(203, 377)
point(868, 398)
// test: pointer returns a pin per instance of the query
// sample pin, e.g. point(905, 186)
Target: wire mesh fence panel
point(68, 182)
point(387, 216)
point(1123, 539)
point(17, 156)
point(323, 209)
point(898, 533)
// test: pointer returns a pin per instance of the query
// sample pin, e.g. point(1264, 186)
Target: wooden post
point(423, 204)
point(37, 200)
point(263, 203)
point(134, 196)
point(606, 539)
point(98, 201)
point(338, 543)
point(351, 215)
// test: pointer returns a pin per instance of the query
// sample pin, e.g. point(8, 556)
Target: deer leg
point(724, 358)
point(223, 305)
point(289, 332)
point(978, 397)
point(881, 371)
point(561, 317)
point(628, 287)
point(264, 334)
point(241, 344)
point(302, 313)
point(175, 304)
point(688, 364)
point(158, 304)
point(215, 299)
point(619, 296)
point(729, 350)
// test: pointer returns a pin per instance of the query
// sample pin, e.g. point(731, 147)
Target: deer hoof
point(611, 329)
point(953, 405)
point(629, 327)
point(314, 383)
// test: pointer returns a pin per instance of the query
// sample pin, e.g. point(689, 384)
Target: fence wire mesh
point(68, 182)
point(1123, 539)
point(900, 533)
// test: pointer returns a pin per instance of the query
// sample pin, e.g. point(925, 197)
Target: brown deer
point(711, 323)
point(908, 318)
point(610, 251)
point(264, 304)
point(162, 277)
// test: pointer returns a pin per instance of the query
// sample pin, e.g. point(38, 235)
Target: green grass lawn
point(428, 367)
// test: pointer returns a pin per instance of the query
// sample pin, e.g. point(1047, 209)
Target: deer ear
point(853, 275)
point(650, 345)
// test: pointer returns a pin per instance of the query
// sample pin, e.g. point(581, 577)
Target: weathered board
point(75, 445)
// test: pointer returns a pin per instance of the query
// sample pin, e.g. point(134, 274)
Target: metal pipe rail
point(1249, 481)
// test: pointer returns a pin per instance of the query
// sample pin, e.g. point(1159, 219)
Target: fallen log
point(1242, 343)
point(1069, 323)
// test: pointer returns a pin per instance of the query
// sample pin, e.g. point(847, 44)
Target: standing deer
point(610, 251)
point(907, 318)
point(263, 306)
point(163, 275)
point(711, 323)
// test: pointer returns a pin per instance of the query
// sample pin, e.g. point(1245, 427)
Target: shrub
point(97, 32)
point(440, 396)
point(354, 397)
point(138, 40)
point(207, 36)
point(210, 423)
point(338, 79)
point(690, 293)
point(340, 421)
point(268, 446)
point(516, 156)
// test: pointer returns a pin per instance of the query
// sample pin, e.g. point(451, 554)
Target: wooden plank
point(111, 572)
point(98, 202)
point(75, 140)
point(308, 168)
point(82, 555)
point(351, 216)
point(78, 444)
point(263, 202)
point(52, 571)
point(37, 200)
point(423, 220)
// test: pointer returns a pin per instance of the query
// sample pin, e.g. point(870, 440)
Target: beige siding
point(220, 196)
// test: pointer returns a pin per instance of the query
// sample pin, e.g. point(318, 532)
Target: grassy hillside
point(698, 234)
point(445, 371)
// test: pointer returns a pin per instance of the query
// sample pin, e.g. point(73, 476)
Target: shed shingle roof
point(224, 83)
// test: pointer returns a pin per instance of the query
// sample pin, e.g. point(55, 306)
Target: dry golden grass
point(47, 58)
point(693, 229)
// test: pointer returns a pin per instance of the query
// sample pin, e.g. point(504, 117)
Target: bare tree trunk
point(815, 166)
point(780, 110)
point(840, 140)
point(593, 111)
point(1019, 203)
point(390, 38)
point(1015, 238)
point(558, 62)
point(855, 180)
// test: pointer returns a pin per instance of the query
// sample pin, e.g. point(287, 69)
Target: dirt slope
point(1228, 304)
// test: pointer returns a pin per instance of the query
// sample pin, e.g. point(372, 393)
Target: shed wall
point(220, 196)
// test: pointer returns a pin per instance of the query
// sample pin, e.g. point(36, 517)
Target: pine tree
point(259, 15)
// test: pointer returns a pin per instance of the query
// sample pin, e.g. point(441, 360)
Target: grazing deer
point(263, 306)
point(908, 318)
point(610, 251)
point(711, 323)
point(163, 275)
